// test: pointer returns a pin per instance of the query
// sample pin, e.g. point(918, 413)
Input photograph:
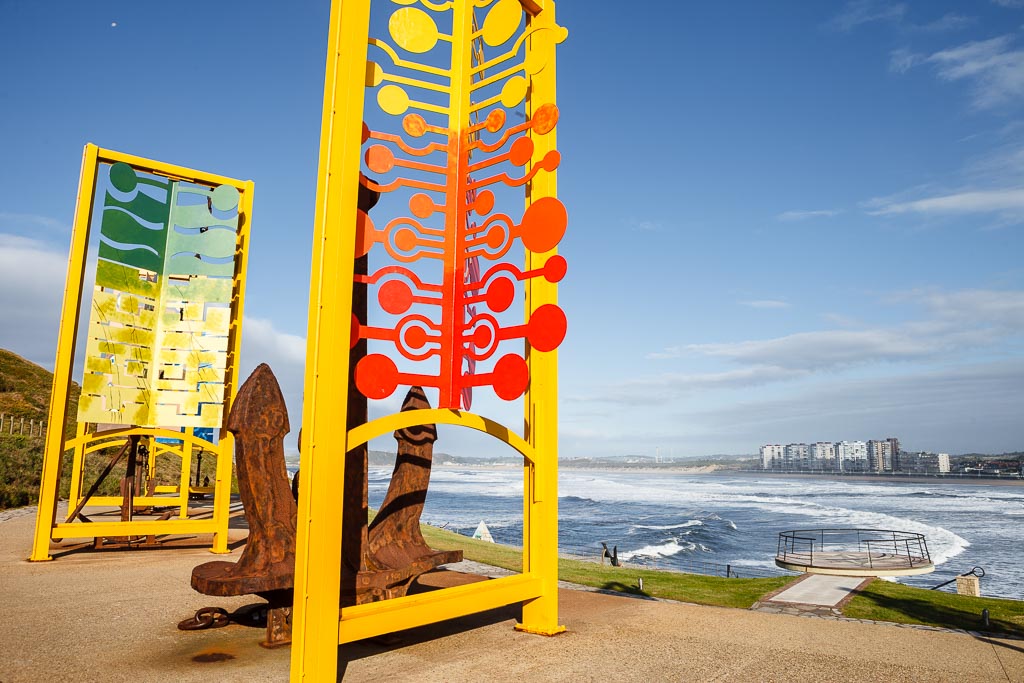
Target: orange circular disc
point(543, 225)
point(380, 159)
point(521, 152)
point(544, 119)
point(405, 239)
point(421, 205)
point(414, 124)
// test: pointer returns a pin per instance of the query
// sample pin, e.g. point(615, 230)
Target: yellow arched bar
point(411, 418)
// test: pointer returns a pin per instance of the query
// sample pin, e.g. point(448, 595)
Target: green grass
point(887, 601)
point(704, 590)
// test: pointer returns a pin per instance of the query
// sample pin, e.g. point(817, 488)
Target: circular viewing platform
point(854, 552)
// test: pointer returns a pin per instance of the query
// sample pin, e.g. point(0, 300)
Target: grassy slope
point(887, 601)
point(881, 601)
point(704, 590)
point(25, 392)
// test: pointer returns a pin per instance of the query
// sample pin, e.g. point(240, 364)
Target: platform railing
point(800, 546)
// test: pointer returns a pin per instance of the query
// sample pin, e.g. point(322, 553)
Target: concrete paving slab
point(819, 589)
point(111, 616)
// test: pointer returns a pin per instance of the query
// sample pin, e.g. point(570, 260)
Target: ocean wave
point(669, 549)
point(665, 527)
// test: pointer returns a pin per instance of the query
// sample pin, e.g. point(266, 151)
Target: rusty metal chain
point(207, 617)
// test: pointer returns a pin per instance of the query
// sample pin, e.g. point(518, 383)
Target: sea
point(672, 520)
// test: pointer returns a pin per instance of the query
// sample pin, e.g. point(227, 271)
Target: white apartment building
point(794, 456)
point(852, 456)
point(771, 456)
point(822, 455)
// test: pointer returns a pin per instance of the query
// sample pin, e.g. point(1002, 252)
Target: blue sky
point(788, 221)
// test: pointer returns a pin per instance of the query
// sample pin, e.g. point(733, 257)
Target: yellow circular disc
point(514, 91)
point(541, 48)
point(413, 30)
point(502, 21)
point(374, 74)
point(393, 100)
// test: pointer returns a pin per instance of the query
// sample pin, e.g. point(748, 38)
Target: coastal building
point(771, 456)
point(879, 456)
point(852, 456)
point(894, 446)
point(822, 455)
point(794, 456)
point(925, 463)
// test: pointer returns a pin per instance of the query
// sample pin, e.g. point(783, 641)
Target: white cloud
point(32, 279)
point(804, 215)
point(765, 303)
point(859, 12)
point(994, 69)
point(927, 410)
point(947, 22)
point(644, 225)
point(957, 322)
point(1009, 200)
point(903, 60)
point(1013, 4)
point(28, 222)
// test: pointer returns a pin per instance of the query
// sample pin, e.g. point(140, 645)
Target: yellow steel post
point(77, 467)
point(540, 514)
point(222, 493)
point(318, 544)
point(53, 448)
point(185, 481)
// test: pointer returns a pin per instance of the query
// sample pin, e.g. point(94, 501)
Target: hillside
point(24, 393)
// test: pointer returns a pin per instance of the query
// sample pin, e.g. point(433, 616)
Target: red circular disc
point(554, 268)
point(366, 132)
point(510, 377)
point(354, 333)
point(546, 328)
point(376, 376)
point(380, 159)
point(500, 294)
point(395, 297)
point(482, 337)
point(366, 234)
point(543, 225)
point(495, 236)
point(415, 337)
point(521, 152)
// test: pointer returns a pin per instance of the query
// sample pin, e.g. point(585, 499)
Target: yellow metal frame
point(318, 627)
point(84, 442)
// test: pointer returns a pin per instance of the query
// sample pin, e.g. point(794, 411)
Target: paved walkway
point(112, 615)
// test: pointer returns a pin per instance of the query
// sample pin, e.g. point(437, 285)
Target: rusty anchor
point(393, 553)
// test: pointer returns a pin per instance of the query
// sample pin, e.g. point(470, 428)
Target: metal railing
point(800, 546)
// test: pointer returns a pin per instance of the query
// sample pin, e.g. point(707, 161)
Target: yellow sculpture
point(162, 347)
point(458, 94)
